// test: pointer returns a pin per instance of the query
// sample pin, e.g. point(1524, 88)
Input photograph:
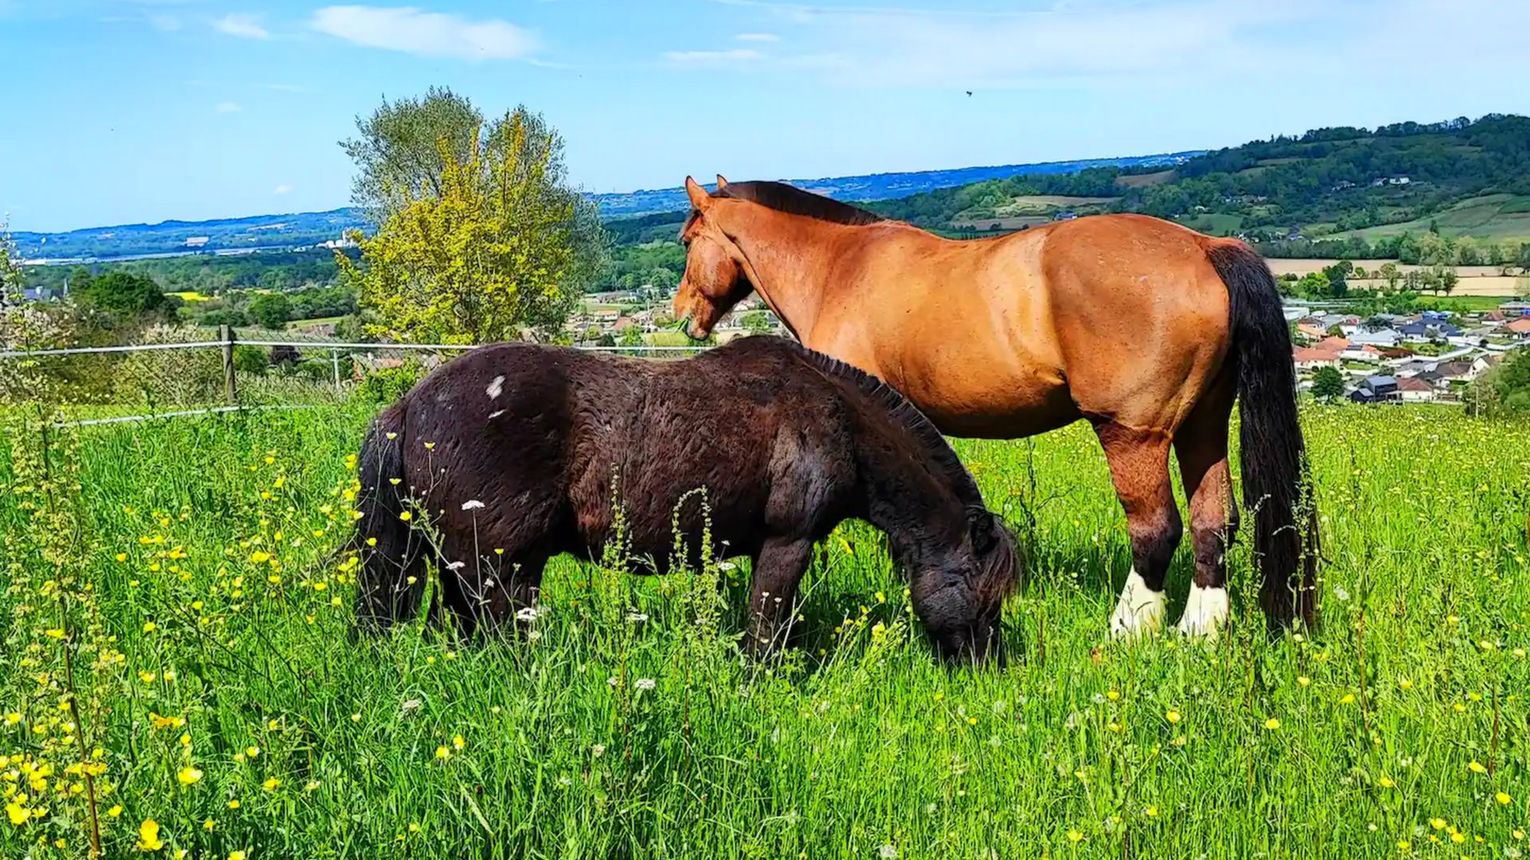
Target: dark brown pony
point(523, 449)
point(1146, 329)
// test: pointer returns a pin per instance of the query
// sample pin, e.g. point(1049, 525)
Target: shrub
point(387, 384)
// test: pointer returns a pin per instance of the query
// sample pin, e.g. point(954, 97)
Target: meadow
point(177, 675)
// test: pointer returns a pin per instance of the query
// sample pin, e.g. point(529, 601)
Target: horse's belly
point(1008, 410)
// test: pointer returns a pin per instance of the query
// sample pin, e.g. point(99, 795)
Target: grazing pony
point(1145, 329)
point(526, 449)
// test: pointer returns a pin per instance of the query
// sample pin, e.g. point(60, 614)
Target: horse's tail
point(390, 551)
point(1276, 489)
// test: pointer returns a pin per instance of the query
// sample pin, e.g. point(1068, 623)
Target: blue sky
point(142, 110)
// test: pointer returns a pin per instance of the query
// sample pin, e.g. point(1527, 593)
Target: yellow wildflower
point(148, 836)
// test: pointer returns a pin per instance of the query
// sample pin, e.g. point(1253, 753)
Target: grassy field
point(1490, 217)
point(176, 652)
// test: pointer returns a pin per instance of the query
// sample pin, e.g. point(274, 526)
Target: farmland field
point(1474, 280)
point(175, 650)
point(1489, 217)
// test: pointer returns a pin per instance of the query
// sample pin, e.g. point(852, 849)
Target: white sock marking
point(1205, 612)
point(1140, 609)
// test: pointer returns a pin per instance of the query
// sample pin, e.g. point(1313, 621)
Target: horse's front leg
point(778, 569)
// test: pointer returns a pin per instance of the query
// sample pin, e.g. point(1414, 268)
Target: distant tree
point(1338, 278)
point(1313, 285)
point(756, 321)
point(1391, 274)
point(1328, 384)
point(270, 310)
point(605, 339)
point(662, 279)
point(119, 293)
point(224, 316)
point(10, 269)
point(630, 336)
point(1504, 390)
point(1335, 330)
point(485, 240)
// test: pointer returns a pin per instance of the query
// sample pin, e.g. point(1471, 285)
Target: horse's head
point(714, 279)
point(961, 598)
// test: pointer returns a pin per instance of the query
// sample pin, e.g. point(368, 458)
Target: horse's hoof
point(1206, 612)
point(1139, 612)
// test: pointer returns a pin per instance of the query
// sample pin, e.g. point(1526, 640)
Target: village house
point(1381, 338)
point(1309, 358)
point(1376, 389)
point(1415, 390)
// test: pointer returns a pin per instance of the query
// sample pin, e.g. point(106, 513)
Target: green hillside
point(1335, 191)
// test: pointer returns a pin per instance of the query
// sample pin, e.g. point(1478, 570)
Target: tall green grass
point(185, 568)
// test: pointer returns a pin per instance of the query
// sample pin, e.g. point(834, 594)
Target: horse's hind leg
point(1201, 446)
point(1139, 468)
point(778, 570)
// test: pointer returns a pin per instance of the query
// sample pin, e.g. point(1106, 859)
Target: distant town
point(1427, 356)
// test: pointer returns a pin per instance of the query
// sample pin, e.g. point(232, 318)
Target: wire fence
point(227, 374)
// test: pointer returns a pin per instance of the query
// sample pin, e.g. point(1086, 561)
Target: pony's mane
point(903, 413)
point(794, 201)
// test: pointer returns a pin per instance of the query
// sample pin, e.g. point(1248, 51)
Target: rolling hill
point(306, 229)
point(1344, 191)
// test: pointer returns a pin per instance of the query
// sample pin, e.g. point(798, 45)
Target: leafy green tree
point(403, 149)
point(1313, 285)
point(10, 270)
point(493, 243)
point(1328, 384)
point(1391, 274)
point(630, 336)
point(270, 310)
point(1504, 390)
point(662, 279)
point(1338, 278)
point(119, 293)
point(755, 321)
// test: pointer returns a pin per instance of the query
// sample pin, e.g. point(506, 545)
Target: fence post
point(230, 389)
point(334, 356)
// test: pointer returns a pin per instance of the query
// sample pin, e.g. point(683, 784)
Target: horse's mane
point(794, 201)
point(903, 413)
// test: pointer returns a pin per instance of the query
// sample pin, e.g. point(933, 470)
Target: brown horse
point(1148, 330)
point(514, 454)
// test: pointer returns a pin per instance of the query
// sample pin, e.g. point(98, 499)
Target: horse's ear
point(721, 182)
point(982, 526)
point(700, 199)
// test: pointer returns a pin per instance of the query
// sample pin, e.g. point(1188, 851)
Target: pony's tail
point(1276, 489)
point(390, 551)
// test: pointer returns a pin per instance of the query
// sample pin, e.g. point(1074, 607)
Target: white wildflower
point(527, 614)
point(887, 852)
point(645, 684)
point(471, 505)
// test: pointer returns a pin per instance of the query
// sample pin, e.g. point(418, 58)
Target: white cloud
point(711, 57)
point(243, 25)
point(757, 37)
point(284, 188)
point(228, 107)
point(1062, 42)
point(428, 34)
